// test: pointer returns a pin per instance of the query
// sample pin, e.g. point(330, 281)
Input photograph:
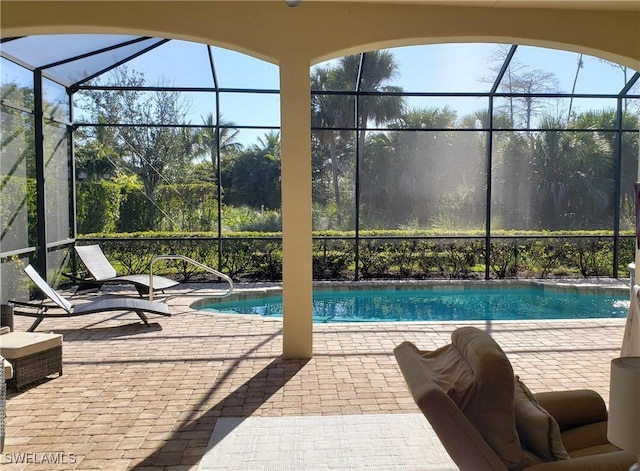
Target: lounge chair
point(40, 311)
point(102, 272)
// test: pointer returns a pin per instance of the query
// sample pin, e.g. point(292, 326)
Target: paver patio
point(136, 397)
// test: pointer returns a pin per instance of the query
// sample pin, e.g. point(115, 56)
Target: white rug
point(341, 442)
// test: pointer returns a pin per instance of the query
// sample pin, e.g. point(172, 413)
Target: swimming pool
point(441, 304)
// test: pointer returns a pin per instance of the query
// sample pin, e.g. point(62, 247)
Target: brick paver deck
point(134, 397)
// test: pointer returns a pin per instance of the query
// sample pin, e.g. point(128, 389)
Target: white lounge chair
point(102, 271)
point(40, 311)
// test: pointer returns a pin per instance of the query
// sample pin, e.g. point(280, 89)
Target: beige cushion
point(538, 430)
point(8, 369)
point(21, 344)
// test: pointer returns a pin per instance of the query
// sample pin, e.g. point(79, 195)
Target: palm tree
point(335, 112)
point(206, 140)
point(330, 112)
point(573, 88)
point(512, 193)
point(378, 69)
point(573, 175)
point(269, 153)
point(404, 170)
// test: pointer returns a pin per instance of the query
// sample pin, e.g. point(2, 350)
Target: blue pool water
point(455, 304)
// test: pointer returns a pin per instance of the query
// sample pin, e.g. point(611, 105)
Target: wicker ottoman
point(33, 355)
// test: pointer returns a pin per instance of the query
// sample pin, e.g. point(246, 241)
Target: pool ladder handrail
point(192, 262)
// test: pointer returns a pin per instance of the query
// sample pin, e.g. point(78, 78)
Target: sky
point(435, 68)
point(440, 68)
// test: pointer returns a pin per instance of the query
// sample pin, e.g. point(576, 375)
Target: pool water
point(391, 305)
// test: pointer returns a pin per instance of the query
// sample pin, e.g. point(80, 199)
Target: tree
point(512, 194)
point(18, 215)
point(579, 66)
point(525, 84)
point(135, 131)
point(331, 113)
point(335, 112)
point(95, 160)
point(378, 69)
point(423, 176)
point(252, 177)
point(531, 83)
point(206, 139)
point(572, 174)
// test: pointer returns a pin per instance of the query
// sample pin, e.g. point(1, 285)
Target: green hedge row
point(258, 257)
point(121, 206)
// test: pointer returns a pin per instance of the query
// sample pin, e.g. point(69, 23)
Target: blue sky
point(441, 68)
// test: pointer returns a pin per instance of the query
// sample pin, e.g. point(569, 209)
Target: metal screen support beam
point(617, 191)
point(40, 173)
point(489, 168)
point(618, 178)
point(358, 125)
point(217, 170)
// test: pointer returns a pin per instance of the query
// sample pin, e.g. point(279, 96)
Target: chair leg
point(35, 324)
point(142, 316)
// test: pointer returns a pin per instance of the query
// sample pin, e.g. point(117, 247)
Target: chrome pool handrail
point(192, 262)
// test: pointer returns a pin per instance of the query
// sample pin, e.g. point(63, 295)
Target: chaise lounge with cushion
point(487, 419)
point(40, 310)
point(102, 272)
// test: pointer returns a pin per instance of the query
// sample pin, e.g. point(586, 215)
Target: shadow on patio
point(242, 402)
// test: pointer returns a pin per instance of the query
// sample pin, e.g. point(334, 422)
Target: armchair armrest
point(615, 461)
point(573, 408)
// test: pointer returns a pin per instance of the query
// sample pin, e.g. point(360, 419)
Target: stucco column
point(297, 269)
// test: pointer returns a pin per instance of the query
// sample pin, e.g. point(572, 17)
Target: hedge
point(258, 256)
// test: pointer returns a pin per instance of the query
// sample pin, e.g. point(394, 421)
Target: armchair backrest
point(458, 435)
point(466, 391)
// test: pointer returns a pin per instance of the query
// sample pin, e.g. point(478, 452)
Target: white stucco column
point(297, 270)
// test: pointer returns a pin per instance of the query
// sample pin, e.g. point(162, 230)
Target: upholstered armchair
point(487, 419)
